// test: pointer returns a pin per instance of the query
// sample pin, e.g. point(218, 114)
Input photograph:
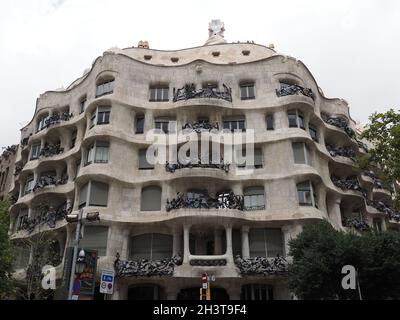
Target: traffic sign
point(107, 282)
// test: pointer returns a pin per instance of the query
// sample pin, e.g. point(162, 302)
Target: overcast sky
point(352, 47)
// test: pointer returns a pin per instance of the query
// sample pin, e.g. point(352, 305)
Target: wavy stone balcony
point(350, 183)
point(346, 152)
point(385, 209)
point(189, 92)
point(260, 266)
point(51, 151)
point(146, 268)
point(48, 181)
point(55, 119)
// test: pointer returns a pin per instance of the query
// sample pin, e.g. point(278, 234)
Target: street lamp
point(81, 262)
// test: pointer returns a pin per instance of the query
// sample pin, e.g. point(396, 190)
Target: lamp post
point(75, 255)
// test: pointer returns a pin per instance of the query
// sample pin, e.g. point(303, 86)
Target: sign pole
point(75, 255)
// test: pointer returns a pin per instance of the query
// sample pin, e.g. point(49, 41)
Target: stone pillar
point(217, 242)
point(186, 250)
point(287, 236)
point(148, 121)
point(177, 243)
point(42, 143)
point(245, 242)
point(229, 250)
point(120, 290)
point(337, 212)
point(124, 254)
point(21, 190)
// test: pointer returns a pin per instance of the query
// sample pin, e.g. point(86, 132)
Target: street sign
point(107, 282)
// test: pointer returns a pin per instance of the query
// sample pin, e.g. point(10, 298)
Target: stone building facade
point(85, 149)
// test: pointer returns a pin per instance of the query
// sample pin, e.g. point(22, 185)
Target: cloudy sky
point(351, 46)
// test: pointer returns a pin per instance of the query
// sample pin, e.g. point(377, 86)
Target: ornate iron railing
point(223, 201)
point(208, 263)
point(18, 169)
point(292, 89)
point(340, 123)
point(146, 268)
point(262, 266)
point(190, 92)
point(56, 119)
point(51, 150)
point(350, 183)
point(356, 223)
point(46, 181)
point(46, 215)
point(347, 152)
point(178, 166)
point(383, 208)
point(254, 208)
point(201, 126)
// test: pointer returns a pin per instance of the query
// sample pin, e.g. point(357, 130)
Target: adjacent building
point(164, 224)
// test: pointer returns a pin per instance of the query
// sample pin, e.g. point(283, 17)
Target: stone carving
point(146, 268)
point(190, 92)
point(45, 181)
point(226, 200)
point(262, 266)
point(356, 223)
point(51, 150)
point(208, 263)
point(216, 30)
point(292, 89)
point(201, 126)
point(347, 152)
point(350, 183)
point(177, 166)
point(46, 215)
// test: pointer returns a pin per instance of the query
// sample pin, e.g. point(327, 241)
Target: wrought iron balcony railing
point(378, 183)
point(46, 215)
point(340, 123)
point(201, 126)
point(18, 169)
point(189, 92)
point(172, 167)
point(51, 150)
point(346, 152)
point(146, 268)
point(383, 208)
point(46, 181)
point(208, 263)
point(293, 89)
point(350, 183)
point(9, 151)
point(56, 119)
point(262, 266)
point(223, 201)
point(356, 223)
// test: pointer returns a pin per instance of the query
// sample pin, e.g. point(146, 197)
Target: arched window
point(254, 198)
point(151, 199)
point(152, 246)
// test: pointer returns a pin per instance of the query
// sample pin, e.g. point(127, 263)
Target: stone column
point(245, 242)
point(287, 236)
point(177, 242)
point(124, 254)
point(186, 250)
point(217, 242)
point(229, 250)
point(71, 170)
point(337, 212)
point(148, 121)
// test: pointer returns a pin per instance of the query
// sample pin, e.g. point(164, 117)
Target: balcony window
point(266, 243)
point(296, 119)
point(42, 124)
point(247, 91)
point(235, 125)
point(258, 159)
point(98, 153)
point(105, 87)
point(30, 184)
point(151, 199)
point(254, 199)
point(22, 218)
point(143, 163)
point(139, 124)
point(301, 153)
point(95, 238)
point(306, 194)
point(151, 247)
point(159, 94)
point(35, 151)
point(82, 104)
point(100, 116)
point(313, 133)
point(73, 138)
point(165, 125)
point(270, 122)
point(95, 194)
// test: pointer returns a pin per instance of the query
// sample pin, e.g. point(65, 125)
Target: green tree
point(384, 132)
point(320, 252)
point(6, 254)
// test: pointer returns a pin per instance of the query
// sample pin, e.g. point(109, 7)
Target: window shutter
point(298, 153)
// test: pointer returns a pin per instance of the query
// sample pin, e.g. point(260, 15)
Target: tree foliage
point(6, 253)
point(320, 252)
point(384, 132)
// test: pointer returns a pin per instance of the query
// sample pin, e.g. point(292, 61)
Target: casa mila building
point(163, 224)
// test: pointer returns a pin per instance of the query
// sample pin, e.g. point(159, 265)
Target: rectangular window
point(77, 167)
point(139, 124)
point(42, 123)
point(292, 117)
point(29, 185)
point(73, 138)
point(254, 199)
point(301, 153)
point(166, 126)
point(35, 151)
point(235, 125)
point(83, 196)
point(270, 123)
point(159, 94)
point(143, 164)
point(258, 159)
point(95, 238)
point(105, 88)
point(267, 243)
point(90, 155)
point(247, 91)
point(313, 133)
point(102, 151)
point(22, 217)
point(103, 116)
point(306, 194)
point(98, 194)
point(82, 103)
